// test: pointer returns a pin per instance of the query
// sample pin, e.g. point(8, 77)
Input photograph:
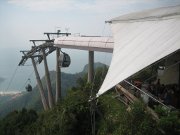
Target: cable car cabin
point(28, 88)
point(65, 60)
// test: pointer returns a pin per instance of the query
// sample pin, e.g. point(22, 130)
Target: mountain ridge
point(32, 100)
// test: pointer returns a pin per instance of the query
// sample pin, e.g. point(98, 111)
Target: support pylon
point(58, 76)
point(39, 83)
point(48, 81)
point(91, 67)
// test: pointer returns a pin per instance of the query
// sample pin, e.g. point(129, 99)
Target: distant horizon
point(9, 92)
point(22, 83)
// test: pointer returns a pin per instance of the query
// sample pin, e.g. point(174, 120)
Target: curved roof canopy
point(141, 39)
point(149, 15)
point(103, 44)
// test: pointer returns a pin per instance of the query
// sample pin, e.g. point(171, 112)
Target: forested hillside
point(31, 100)
point(72, 116)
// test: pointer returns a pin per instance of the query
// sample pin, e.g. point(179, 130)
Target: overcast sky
point(22, 20)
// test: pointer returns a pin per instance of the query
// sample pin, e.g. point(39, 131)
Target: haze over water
point(11, 57)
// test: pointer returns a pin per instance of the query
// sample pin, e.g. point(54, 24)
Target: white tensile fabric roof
point(141, 39)
point(103, 44)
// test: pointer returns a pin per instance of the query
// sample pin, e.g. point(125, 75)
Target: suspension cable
point(102, 33)
point(166, 69)
point(12, 77)
point(146, 94)
point(92, 100)
point(173, 65)
point(93, 103)
point(92, 107)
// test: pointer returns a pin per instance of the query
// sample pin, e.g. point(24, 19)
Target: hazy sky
point(22, 20)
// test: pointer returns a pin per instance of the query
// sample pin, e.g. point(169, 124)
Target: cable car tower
point(59, 63)
point(37, 54)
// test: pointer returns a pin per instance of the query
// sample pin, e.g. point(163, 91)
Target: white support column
point(91, 67)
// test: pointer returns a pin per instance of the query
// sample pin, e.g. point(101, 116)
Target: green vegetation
point(71, 116)
point(16, 123)
point(169, 121)
point(32, 99)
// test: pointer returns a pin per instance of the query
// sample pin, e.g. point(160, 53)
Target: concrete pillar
point(58, 76)
point(48, 81)
point(91, 67)
point(40, 86)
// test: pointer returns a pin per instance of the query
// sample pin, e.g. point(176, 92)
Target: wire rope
point(12, 77)
point(146, 93)
point(166, 69)
point(92, 100)
point(102, 33)
point(92, 106)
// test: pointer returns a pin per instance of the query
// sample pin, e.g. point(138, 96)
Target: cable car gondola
point(29, 87)
point(65, 60)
